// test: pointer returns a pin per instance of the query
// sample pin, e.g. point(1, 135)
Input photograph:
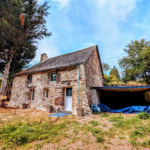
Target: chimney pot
point(43, 57)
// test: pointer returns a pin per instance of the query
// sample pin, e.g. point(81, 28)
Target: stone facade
point(93, 74)
point(90, 75)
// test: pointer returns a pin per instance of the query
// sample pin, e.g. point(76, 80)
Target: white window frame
point(32, 100)
point(46, 93)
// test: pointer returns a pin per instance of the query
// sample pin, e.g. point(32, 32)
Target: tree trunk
point(4, 80)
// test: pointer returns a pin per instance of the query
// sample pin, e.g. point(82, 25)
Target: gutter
point(78, 86)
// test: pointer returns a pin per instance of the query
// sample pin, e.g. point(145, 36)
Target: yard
point(32, 129)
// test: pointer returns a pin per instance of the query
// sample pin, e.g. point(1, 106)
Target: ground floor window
point(46, 93)
point(32, 95)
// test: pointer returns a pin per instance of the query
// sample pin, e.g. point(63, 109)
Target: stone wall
point(93, 74)
point(68, 77)
point(96, 97)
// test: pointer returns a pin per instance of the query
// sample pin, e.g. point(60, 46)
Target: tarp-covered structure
point(131, 109)
point(123, 99)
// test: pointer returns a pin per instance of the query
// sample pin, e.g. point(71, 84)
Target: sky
point(110, 24)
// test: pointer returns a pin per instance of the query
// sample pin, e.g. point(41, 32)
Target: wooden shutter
point(58, 77)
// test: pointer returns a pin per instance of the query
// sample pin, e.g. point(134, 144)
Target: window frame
point(50, 78)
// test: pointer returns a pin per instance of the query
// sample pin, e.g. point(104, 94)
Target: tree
point(19, 62)
point(114, 74)
point(137, 62)
point(15, 36)
point(128, 75)
point(107, 78)
point(105, 67)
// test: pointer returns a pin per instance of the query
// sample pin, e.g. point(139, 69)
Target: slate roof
point(70, 59)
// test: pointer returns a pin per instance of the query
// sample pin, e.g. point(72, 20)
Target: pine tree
point(114, 74)
point(15, 37)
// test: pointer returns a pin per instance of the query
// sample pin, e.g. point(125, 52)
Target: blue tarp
point(59, 114)
point(131, 109)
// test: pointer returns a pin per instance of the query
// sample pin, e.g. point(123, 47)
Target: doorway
point(68, 99)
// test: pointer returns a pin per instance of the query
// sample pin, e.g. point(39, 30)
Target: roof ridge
point(68, 53)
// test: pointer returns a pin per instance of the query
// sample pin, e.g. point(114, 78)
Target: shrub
point(143, 115)
point(96, 131)
point(146, 143)
point(100, 139)
point(136, 133)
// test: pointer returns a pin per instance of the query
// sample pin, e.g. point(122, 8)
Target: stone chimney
point(43, 57)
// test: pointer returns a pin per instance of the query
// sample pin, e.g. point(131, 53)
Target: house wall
point(21, 90)
point(93, 74)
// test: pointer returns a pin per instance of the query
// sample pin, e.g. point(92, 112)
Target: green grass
point(22, 133)
point(143, 115)
point(94, 123)
point(104, 115)
point(18, 133)
point(116, 118)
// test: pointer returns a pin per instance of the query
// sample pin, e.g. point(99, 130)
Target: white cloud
point(118, 9)
point(63, 3)
point(88, 44)
point(45, 46)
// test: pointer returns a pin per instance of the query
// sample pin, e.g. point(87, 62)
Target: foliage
point(143, 115)
point(17, 40)
point(0, 82)
point(107, 78)
point(136, 64)
point(105, 67)
point(114, 74)
point(128, 75)
point(100, 139)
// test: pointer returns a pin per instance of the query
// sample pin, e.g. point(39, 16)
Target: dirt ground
point(80, 141)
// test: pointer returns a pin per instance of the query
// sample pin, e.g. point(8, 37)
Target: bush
point(134, 134)
point(143, 115)
point(146, 143)
point(100, 139)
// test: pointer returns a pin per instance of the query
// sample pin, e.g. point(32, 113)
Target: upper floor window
point(46, 93)
point(30, 79)
point(53, 77)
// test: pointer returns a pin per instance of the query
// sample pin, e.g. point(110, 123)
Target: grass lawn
point(33, 130)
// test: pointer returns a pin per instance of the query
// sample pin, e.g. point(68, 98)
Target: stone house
point(64, 82)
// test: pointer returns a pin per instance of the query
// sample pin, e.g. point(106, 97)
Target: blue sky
point(110, 24)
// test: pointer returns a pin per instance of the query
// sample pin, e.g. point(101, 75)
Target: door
point(68, 99)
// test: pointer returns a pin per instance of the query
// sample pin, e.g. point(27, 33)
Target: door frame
point(65, 97)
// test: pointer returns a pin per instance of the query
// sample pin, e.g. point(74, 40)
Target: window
point(69, 92)
point(53, 77)
point(32, 95)
point(30, 79)
point(46, 93)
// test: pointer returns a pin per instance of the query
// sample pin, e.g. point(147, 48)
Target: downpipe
point(78, 86)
